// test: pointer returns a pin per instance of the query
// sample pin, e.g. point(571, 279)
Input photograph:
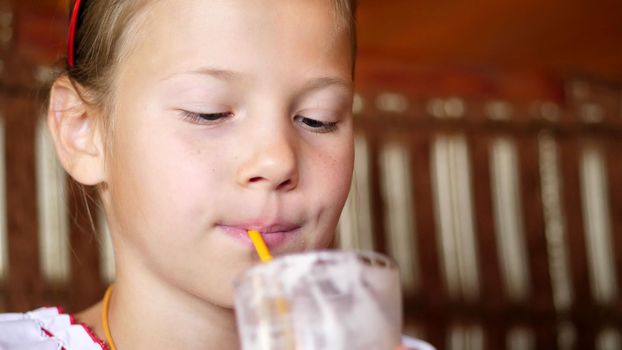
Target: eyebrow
point(220, 74)
point(324, 82)
point(231, 75)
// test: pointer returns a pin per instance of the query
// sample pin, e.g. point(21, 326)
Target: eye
point(205, 118)
point(316, 125)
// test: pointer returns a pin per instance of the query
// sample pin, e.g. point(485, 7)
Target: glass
point(323, 300)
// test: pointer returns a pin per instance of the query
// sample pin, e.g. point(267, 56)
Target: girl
point(197, 120)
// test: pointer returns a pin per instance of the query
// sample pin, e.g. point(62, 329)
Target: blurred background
point(488, 138)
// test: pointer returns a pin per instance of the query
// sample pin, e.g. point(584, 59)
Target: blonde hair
point(105, 27)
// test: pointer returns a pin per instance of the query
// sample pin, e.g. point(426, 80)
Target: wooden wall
point(502, 245)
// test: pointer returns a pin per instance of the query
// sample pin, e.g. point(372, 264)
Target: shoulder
point(415, 344)
point(46, 328)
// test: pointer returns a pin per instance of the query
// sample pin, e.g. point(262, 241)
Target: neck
point(147, 314)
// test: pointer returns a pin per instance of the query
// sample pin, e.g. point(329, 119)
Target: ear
point(76, 130)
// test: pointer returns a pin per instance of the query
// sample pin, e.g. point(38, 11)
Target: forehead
point(278, 37)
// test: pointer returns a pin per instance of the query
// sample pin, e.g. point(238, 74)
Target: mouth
point(274, 234)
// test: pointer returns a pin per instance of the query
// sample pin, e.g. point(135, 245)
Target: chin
point(224, 299)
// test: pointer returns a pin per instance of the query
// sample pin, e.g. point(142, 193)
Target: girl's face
point(228, 115)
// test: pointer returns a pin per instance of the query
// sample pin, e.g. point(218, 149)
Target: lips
point(274, 234)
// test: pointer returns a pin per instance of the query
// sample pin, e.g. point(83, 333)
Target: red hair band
point(75, 15)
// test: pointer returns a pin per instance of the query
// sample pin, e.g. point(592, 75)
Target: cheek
point(164, 182)
point(331, 174)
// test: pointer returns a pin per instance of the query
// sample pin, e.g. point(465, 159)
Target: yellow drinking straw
point(260, 245)
point(282, 305)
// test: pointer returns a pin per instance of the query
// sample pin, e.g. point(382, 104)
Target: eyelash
point(316, 125)
point(213, 118)
point(205, 118)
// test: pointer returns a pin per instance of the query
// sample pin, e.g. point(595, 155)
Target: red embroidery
point(87, 329)
point(94, 337)
point(47, 333)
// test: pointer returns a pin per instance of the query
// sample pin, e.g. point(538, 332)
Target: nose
point(270, 164)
